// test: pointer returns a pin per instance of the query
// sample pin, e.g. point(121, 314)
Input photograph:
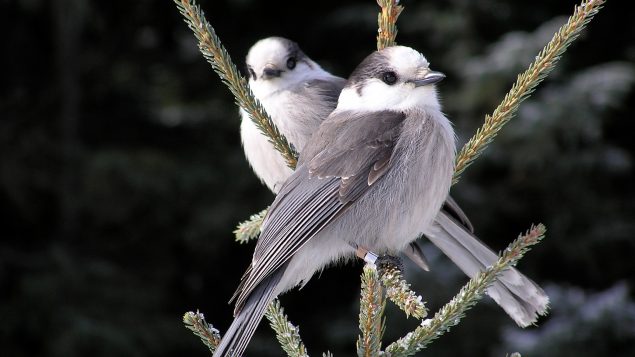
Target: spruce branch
point(398, 290)
point(288, 335)
point(526, 83)
point(470, 294)
point(250, 229)
point(387, 22)
point(195, 322)
point(371, 312)
point(215, 53)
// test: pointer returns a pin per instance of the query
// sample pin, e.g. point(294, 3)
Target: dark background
point(122, 175)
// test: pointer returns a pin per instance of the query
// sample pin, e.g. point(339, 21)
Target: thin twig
point(526, 83)
point(250, 229)
point(371, 314)
point(288, 335)
point(470, 294)
point(387, 23)
point(195, 322)
point(398, 290)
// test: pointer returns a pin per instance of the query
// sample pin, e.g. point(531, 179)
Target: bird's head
point(395, 78)
point(276, 63)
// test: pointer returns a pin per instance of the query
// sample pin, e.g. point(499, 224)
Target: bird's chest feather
point(415, 188)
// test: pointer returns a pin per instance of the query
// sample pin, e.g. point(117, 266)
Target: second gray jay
point(296, 93)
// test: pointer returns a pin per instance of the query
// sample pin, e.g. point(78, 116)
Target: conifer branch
point(387, 22)
point(288, 335)
point(371, 314)
point(250, 229)
point(526, 83)
point(195, 322)
point(398, 290)
point(470, 294)
point(215, 53)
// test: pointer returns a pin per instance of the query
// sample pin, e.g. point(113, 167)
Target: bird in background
point(296, 93)
point(375, 174)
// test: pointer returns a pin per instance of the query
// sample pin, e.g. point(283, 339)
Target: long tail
point(247, 319)
point(522, 299)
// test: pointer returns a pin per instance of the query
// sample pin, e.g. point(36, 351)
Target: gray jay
point(298, 95)
point(375, 174)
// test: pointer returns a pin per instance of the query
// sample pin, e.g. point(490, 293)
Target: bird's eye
point(251, 72)
point(389, 77)
point(291, 62)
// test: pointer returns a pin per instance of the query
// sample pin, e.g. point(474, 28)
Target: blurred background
point(122, 175)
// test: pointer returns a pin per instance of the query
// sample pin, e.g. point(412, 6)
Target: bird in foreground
point(375, 174)
point(298, 95)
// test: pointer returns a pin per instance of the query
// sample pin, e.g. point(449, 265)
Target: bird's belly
point(267, 163)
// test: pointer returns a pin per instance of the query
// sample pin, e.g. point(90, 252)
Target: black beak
point(429, 78)
point(271, 72)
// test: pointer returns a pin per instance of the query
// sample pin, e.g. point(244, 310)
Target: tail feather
point(237, 337)
point(522, 299)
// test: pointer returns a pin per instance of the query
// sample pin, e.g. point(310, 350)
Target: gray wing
point(348, 154)
point(328, 90)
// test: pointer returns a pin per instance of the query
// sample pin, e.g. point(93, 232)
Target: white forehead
point(268, 49)
point(405, 58)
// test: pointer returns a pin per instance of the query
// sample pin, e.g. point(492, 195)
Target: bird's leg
point(365, 254)
point(374, 258)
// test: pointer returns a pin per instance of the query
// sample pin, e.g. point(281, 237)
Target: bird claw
point(386, 261)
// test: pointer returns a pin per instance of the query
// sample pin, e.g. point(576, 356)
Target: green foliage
point(398, 291)
point(288, 335)
point(195, 322)
point(371, 314)
point(387, 23)
point(250, 229)
point(452, 312)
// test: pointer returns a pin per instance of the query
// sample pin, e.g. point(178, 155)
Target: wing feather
point(349, 153)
